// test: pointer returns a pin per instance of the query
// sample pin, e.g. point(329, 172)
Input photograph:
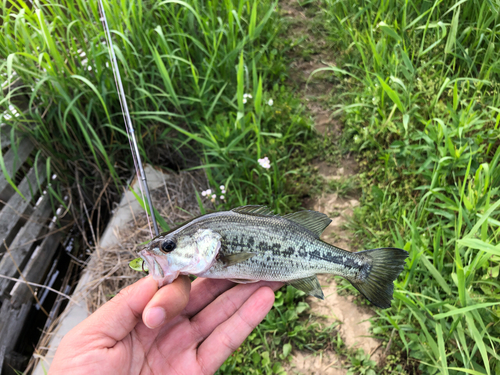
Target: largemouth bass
point(250, 243)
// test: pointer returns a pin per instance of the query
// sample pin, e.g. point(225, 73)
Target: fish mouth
point(152, 264)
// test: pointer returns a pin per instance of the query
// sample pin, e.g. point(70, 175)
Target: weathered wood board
point(28, 241)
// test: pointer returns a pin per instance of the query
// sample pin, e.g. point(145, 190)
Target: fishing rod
point(141, 175)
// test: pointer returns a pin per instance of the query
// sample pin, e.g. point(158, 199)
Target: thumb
point(118, 317)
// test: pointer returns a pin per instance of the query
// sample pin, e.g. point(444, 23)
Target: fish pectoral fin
point(232, 259)
point(314, 221)
point(309, 285)
point(243, 281)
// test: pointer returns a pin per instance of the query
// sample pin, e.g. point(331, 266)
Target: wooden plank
point(14, 362)
point(11, 324)
point(36, 268)
point(2, 356)
point(13, 161)
point(4, 136)
point(11, 214)
point(20, 248)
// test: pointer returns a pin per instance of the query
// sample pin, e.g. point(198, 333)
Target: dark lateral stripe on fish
point(346, 261)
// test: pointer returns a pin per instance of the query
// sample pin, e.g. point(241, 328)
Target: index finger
point(203, 292)
point(228, 336)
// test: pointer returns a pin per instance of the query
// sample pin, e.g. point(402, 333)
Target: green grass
point(186, 67)
point(287, 327)
point(420, 107)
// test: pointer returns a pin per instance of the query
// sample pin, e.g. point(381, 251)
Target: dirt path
point(354, 327)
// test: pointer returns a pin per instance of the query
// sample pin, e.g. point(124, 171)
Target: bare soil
point(355, 324)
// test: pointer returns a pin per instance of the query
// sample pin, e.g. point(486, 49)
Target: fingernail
point(155, 317)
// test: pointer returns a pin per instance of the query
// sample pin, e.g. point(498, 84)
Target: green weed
point(287, 327)
point(239, 140)
point(187, 67)
point(343, 185)
point(204, 83)
point(421, 109)
point(360, 363)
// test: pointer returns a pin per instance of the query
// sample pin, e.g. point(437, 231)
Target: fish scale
point(250, 243)
point(282, 254)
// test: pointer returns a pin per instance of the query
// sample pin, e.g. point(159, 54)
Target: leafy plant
point(360, 363)
point(420, 107)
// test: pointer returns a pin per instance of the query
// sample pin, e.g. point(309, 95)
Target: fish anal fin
point(243, 281)
point(314, 221)
point(254, 210)
point(232, 259)
point(309, 285)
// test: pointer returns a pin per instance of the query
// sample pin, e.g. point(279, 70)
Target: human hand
point(179, 332)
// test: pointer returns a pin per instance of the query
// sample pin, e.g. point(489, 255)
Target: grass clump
point(421, 109)
point(187, 70)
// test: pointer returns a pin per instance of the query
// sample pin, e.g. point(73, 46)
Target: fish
point(250, 243)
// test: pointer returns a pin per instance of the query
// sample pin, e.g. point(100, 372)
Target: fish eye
point(168, 246)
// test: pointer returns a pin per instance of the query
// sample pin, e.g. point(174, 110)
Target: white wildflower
point(222, 187)
point(244, 100)
point(265, 163)
point(270, 102)
point(247, 96)
point(222, 197)
point(214, 196)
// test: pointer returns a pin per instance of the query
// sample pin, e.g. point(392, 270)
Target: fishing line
point(141, 176)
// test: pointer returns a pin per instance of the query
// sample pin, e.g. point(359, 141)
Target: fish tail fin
point(376, 278)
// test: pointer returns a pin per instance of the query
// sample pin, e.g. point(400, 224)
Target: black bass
point(250, 243)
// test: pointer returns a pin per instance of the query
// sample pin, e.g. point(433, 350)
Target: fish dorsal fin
point(254, 210)
point(309, 285)
point(315, 221)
